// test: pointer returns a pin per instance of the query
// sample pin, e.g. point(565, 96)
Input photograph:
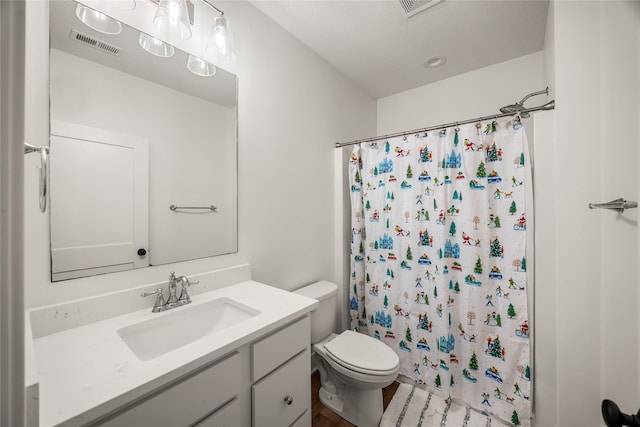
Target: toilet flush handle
point(288, 400)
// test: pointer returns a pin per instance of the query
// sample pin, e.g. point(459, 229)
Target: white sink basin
point(174, 329)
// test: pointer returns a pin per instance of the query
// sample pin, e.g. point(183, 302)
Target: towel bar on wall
point(618, 205)
point(211, 208)
point(44, 163)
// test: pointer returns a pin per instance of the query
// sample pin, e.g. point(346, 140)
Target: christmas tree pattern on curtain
point(438, 266)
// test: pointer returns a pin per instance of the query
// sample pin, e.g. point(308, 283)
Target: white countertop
point(88, 371)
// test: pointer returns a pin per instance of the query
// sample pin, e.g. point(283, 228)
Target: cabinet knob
point(288, 400)
point(142, 252)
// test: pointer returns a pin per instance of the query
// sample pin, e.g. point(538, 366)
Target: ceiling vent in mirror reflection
point(413, 7)
point(94, 42)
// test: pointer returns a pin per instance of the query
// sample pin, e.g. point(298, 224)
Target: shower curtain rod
point(548, 106)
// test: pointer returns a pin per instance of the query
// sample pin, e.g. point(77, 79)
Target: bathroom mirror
point(143, 161)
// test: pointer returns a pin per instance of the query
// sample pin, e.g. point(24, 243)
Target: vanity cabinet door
point(281, 397)
point(189, 400)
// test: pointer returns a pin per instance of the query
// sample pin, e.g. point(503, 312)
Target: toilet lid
point(362, 353)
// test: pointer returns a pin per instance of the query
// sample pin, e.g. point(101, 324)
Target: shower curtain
point(438, 266)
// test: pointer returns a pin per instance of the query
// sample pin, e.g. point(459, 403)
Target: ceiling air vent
point(94, 42)
point(411, 7)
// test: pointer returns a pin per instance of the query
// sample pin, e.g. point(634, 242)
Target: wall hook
point(618, 205)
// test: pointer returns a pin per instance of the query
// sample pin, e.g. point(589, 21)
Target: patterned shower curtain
point(438, 267)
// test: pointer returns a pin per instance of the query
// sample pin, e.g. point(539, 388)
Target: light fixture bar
point(220, 11)
point(190, 8)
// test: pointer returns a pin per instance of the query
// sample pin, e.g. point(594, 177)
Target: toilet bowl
point(353, 367)
point(359, 359)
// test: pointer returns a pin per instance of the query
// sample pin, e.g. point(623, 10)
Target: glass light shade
point(172, 19)
point(220, 43)
point(155, 46)
point(125, 4)
point(97, 20)
point(200, 67)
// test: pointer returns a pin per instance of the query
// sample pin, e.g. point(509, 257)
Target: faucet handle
point(156, 292)
point(159, 304)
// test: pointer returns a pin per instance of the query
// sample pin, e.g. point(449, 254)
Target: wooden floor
point(324, 417)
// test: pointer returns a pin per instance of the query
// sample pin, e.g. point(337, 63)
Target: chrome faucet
point(173, 301)
point(173, 281)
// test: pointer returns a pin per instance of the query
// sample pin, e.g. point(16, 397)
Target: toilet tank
point(323, 317)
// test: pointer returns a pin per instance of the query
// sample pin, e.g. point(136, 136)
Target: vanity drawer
point(281, 397)
point(189, 400)
point(227, 416)
point(273, 351)
point(304, 420)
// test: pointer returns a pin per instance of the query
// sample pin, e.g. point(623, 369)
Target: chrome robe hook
point(618, 205)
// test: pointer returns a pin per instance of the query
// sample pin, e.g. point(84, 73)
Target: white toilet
point(353, 367)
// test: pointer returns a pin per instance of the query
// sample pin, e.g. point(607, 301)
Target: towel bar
point(211, 208)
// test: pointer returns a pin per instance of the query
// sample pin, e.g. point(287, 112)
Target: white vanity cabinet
point(264, 384)
point(215, 395)
point(252, 372)
point(281, 371)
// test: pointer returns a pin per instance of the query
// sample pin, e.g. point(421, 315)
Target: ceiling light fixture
point(97, 20)
point(125, 4)
point(155, 46)
point(200, 67)
point(434, 61)
point(220, 46)
point(172, 19)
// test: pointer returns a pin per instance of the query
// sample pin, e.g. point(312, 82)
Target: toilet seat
point(363, 354)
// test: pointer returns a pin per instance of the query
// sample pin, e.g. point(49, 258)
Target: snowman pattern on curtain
point(438, 265)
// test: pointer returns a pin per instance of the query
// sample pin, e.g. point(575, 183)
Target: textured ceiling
point(377, 46)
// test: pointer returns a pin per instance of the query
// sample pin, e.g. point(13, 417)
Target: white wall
point(292, 108)
point(467, 96)
point(545, 365)
point(619, 142)
point(12, 328)
point(587, 264)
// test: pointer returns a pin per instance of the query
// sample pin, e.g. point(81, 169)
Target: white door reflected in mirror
point(99, 218)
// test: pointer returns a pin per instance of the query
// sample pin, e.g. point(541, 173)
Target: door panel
point(100, 199)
